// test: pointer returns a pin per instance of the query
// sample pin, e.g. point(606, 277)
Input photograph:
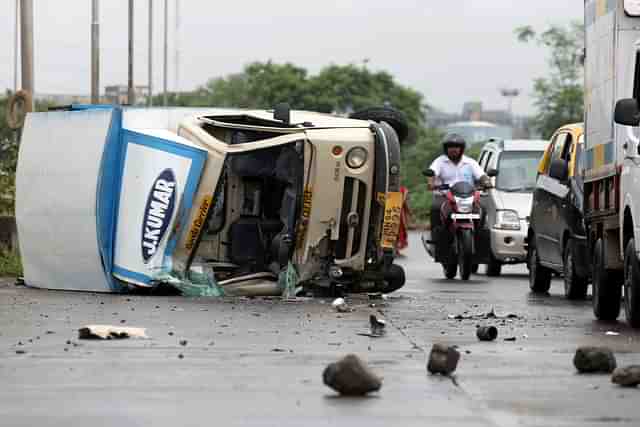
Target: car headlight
point(507, 220)
point(464, 204)
point(356, 157)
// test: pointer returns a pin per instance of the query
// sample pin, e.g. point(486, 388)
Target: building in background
point(117, 94)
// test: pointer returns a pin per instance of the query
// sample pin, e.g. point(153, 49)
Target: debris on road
point(594, 359)
point(612, 333)
point(340, 305)
point(350, 376)
point(510, 339)
point(487, 333)
point(491, 314)
point(628, 376)
point(107, 332)
point(443, 359)
point(377, 325)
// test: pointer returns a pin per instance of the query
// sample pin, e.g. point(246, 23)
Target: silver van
point(508, 204)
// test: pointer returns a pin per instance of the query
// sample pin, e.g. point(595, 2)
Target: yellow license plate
point(391, 225)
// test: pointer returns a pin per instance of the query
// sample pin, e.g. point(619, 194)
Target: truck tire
point(632, 285)
point(607, 289)
point(575, 286)
point(494, 267)
point(394, 117)
point(465, 253)
point(539, 275)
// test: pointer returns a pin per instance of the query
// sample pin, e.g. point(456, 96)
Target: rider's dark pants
point(436, 205)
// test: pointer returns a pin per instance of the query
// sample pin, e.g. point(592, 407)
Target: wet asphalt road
point(259, 362)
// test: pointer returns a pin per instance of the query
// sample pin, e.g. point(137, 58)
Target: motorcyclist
point(451, 167)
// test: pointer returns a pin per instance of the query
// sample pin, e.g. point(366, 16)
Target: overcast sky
point(451, 51)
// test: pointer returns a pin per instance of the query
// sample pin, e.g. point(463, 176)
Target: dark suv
point(557, 239)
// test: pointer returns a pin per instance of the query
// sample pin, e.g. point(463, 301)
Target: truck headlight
point(356, 157)
point(507, 220)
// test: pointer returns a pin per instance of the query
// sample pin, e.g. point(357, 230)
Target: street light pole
point(95, 53)
point(26, 33)
point(15, 47)
point(510, 94)
point(150, 78)
point(166, 22)
point(131, 96)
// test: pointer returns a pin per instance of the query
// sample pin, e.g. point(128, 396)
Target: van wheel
point(606, 287)
point(394, 279)
point(575, 286)
point(394, 117)
point(632, 285)
point(539, 275)
point(494, 267)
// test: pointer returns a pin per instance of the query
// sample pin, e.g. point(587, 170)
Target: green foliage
point(559, 96)
point(8, 160)
point(10, 264)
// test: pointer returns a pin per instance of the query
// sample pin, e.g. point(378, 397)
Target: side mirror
point(559, 170)
point(492, 172)
point(429, 172)
point(627, 112)
point(282, 112)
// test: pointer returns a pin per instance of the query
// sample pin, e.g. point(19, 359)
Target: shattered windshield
point(517, 170)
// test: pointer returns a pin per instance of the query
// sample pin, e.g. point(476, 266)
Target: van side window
point(483, 155)
point(558, 147)
point(489, 157)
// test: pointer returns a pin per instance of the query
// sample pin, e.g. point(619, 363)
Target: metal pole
point(166, 19)
point(16, 47)
point(95, 53)
point(131, 96)
point(177, 43)
point(26, 25)
point(150, 79)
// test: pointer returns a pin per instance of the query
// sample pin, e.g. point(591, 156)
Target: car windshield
point(517, 170)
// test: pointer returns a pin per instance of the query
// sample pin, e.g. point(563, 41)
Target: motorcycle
point(461, 242)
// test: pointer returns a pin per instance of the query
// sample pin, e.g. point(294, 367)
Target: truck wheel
point(450, 268)
point(494, 267)
point(606, 287)
point(632, 285)
point(575, 286)
point(465, 253)
point(395, 118)
point(394, 278)
point(539, 275)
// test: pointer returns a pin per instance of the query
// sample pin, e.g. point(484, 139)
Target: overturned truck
point(211, 201)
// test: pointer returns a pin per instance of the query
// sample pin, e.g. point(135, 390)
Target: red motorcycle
point(461, 242)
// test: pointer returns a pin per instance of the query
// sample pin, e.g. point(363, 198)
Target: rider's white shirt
point(449, 173)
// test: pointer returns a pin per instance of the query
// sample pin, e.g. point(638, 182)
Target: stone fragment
point(594, 359)
point(350, 376)
point(627, 376)
point(107, 332)
point(377, 325)
point(443, 359)
point(487, 333)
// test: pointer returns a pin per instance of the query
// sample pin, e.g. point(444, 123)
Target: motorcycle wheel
point(465, 253)
point(450, 269)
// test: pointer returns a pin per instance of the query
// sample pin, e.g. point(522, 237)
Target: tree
point(8, 160)
point(559, 96)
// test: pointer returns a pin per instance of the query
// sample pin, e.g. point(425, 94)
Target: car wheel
point(450, 269)
point(539, 275)
point(395, 118)
point(632, 285)
point(494, 267)
point(606, 288)
point(575, 286)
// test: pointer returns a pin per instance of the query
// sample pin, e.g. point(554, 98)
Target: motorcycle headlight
point(464, 204)
point(507, 220)
point(356, 157)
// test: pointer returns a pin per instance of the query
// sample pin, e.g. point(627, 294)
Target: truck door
point(562, 210)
